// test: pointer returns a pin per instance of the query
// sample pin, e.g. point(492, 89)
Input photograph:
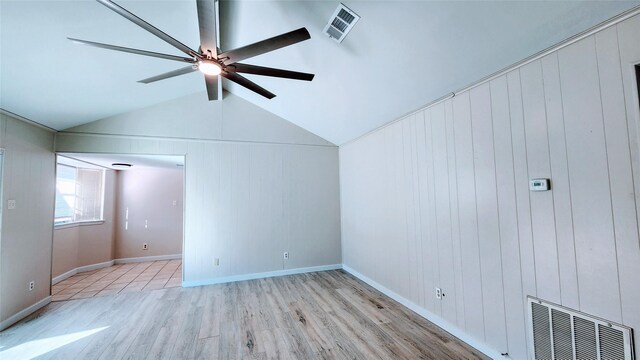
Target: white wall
point(256, 185)
point(194, 117)
point(81, 245)
point(147, 195)
point(440, 198)
point(25, 243)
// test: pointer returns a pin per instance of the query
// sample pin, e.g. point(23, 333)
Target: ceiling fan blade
point(267, 71)
point(207, 20)
point(242, 81)
point(213, 86)
point(170, 74)
point(264, 46)
point(150, 28)
point(133, 51)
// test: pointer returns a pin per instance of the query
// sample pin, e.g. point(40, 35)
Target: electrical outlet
point(216, 261)
point(145, 246)
point(286, 255)
point(438, 293)
point(32, 285)
point(175, 202)
point(11, 204)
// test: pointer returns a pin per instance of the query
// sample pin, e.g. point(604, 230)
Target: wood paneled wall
point(246, 203)
point(255, 184)
point(441, 198)
point(25, 243)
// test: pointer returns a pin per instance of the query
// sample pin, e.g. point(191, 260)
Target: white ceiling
point(136, 161)
point(400, 56)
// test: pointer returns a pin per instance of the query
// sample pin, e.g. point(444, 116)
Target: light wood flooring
point(149, 275)
point(323, 315)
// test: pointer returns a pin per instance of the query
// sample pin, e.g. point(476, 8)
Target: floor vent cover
point(340, 23)
point(561, 333)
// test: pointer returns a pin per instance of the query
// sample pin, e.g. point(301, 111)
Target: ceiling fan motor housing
point(211, 61)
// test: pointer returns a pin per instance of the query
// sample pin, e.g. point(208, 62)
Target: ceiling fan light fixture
point(209, 68)
point(121, 166)
point(208, 59)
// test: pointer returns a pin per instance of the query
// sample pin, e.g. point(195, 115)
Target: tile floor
point(120, 278)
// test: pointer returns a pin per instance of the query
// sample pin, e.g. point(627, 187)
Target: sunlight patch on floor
point(35, 348)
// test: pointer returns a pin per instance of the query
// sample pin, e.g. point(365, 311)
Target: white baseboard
point(105, 264)
point(262, 275)
point(72, 272)
point(148, 258)
point(24, 313)
point(445, 325)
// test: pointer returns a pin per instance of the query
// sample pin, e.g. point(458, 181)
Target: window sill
point(79, 223)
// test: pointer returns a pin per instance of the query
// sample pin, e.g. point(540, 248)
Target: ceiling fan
point(212, 62)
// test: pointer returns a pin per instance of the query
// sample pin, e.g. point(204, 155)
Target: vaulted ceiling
point(400, 56)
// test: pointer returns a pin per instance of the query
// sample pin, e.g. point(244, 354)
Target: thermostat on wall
point(539, 185)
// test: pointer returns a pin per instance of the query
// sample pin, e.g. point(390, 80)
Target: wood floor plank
point(324, 315)
point(210, 324)
point(207, 348)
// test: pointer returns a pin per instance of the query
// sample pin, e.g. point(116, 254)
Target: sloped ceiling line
point(439, 46)
point(608, 23)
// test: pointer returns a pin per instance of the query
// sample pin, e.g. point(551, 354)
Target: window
point(79, 194)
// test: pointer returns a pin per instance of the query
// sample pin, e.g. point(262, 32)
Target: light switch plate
point(11, 204)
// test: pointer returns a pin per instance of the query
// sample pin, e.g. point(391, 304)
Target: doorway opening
point(119, 224)
point(638, 82)
point(1, 199)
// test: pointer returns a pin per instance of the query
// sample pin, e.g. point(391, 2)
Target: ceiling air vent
point(340, 23)
point(561, 333)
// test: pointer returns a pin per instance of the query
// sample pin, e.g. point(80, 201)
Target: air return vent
point(340, 23)
point(561, 333)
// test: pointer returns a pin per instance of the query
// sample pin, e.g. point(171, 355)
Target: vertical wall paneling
point(443, 213)
point(487, 212)
point(391, 213)
point(620, 169)
point(542, 211)
point(379, 230)
point(433, 261)
point(560, 186)
point(508, 219)
point(521, 173)
point(27, 230)
point(409, 198)
point(452, 182)
point(427, 299)
point(417, 223)
point(400, 246)
point(246, 203)
point(521, 178)
point(455, 228)
point(629, 50)
point(468, 221)
point(629, 250)
point(589, 180)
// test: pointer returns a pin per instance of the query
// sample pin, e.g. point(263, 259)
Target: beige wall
point(25, 243)
point(65, 250)
point(154, 196)
point(441, 197)
point(80, 245)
